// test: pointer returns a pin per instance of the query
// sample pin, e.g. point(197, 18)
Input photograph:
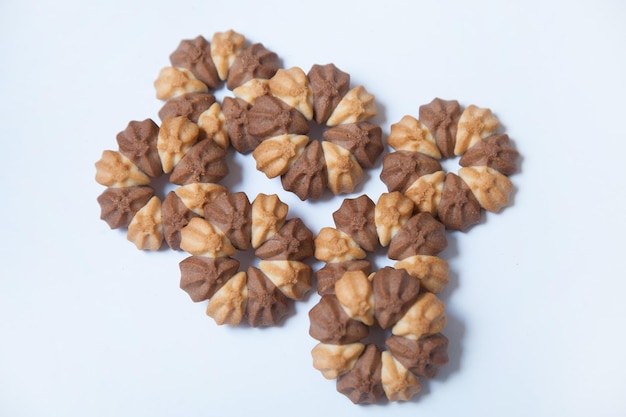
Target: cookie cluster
point(200, 216)
point(270, 115)
point(281, 119)
point(445, 130)
point(147, 151)
point(198, 68)
point(272, 110)
point(399, 298)
point(259, 295)
point(190, 144)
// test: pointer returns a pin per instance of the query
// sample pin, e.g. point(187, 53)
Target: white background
point(90, 326)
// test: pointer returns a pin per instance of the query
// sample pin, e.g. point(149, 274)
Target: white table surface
point(90, 326)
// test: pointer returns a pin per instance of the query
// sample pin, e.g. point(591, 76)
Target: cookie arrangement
point(198, 68)
point(270, 116)
point(260, 295)
point(307, 167)
point(271, 112)
point(147, 151)
point(444, 130)
point(399, 298)
point(190, 144)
